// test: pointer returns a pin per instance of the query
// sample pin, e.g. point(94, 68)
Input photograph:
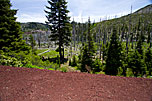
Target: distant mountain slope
point(145, 9)
point(142, 16)
point(33, 26)
point(129, 27)
point(143, 12)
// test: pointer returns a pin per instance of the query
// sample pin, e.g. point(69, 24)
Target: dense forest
point(33, 26)
point(120, 46)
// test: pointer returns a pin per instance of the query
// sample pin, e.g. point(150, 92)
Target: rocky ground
point(24, 84)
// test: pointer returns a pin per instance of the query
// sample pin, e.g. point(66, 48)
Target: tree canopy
point(10, 31)
point(58, 21)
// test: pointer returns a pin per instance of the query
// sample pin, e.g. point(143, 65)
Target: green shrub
point(70, 62)
point(21, 56)
point(129, 72)
point(50, 69)
point(10, 61)
point(74, 61)
point(120, 71)
point(31, 66)
point(101, 72)
point(63, 69)
point(97, 66)
point(55, 66)
point(36, 60)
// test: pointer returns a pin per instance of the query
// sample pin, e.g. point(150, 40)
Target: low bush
point(9, 61)
point(97, 66)
point(74, 61)
point(63, 69)
point(129, 72)
point(31, 66)
point(101, 72)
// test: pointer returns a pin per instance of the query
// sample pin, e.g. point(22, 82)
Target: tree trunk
point(100, 50)
point(124, 72)
point(127, 43)
point(39, 42)
point(132, 46)
point(71, 49)
point(150, 39)
point(63, 54)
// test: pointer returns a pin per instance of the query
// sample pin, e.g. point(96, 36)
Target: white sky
point(33, 10)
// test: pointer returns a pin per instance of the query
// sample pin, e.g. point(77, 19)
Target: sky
point(80, 10)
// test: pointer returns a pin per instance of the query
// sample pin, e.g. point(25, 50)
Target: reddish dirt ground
point(24, 84)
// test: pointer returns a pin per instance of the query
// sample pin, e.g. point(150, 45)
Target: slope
point(23, 84)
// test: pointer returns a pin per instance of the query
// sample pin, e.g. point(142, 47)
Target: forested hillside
point(33, 26)
point(138, 21)
point(123, 44)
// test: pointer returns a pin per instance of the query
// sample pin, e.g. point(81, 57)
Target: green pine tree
point(60, 27)
point(97, 65)
point(85, 59)
point(139, 46)
point(114, 59)
point(148, 60)
point(90, 41)
point(88, 52)
point(136, 63)
point(32, 41)
point(10, 31)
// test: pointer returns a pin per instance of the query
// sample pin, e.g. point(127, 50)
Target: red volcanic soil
point(24, 84)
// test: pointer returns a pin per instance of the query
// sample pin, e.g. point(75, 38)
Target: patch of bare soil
point(24, 84)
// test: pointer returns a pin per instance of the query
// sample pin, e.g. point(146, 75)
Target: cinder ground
point(24, 84)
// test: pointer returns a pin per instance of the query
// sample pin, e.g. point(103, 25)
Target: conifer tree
point(74, 34)
point(136, 63)
point(149, 30)
point(10, 31)
point(85, 59)
point(60, 27)
point(139, 46)
point(114, 59)
point(150, 39)
point(90, 40)
point(32, 41)
point(148, 60)
point(138, 30)
point(88, 51)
